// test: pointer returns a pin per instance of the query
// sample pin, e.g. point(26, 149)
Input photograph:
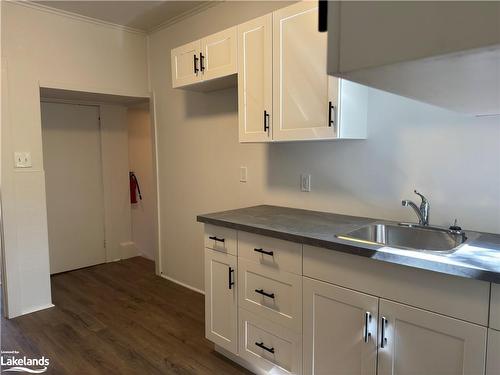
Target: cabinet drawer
point(271, 252)
point(495, 307)
point(272, 294)
point(273, 348)
point(454, 296)
point(221, 239)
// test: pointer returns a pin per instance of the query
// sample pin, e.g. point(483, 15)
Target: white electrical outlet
point(305, 182)
point(22, 159)
point(243, 174)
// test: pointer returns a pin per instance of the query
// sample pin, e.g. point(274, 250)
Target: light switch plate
point(305, 182)
point(22, 159)
point(243, 174)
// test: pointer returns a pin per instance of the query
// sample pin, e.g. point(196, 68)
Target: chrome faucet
point(422, 211)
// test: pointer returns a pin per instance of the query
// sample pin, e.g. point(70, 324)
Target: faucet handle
point(424, 199)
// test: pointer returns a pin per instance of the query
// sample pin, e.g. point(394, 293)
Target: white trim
point(76, 16)
point(153, 117)
point(182, 16)
point(79, 17)
point(183, 284)
point(37, 308)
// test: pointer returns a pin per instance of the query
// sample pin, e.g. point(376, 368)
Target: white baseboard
point(182, 284)
point(37, 308)
point(128, 250)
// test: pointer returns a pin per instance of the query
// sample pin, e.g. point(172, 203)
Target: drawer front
point(272, 294)
point(273, 348)
point(495, 307)
point(271, 252)
point(428, 290)
point(221, 239)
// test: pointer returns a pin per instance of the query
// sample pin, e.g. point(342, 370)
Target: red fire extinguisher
point(135, 190)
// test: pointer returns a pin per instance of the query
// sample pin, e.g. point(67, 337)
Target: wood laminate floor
point(118, 318)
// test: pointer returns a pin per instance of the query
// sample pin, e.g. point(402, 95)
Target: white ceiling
point(142, 15)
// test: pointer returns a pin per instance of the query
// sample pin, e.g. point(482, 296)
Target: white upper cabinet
point(218, 54)
point(202, 61)
point(255, 90)
point(185, 64)
point(414, 341)
point(305, 100)
point(340, 330)
point(446, 53)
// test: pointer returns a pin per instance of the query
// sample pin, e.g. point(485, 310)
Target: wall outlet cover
point(305, 182)
point(22, 159)
point(243, 174)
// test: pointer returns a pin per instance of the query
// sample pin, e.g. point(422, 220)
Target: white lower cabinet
point(415, 342)
point(221, 299)
point(269, 346)
point(493, 358)
point(273, 320)
point(340, 330)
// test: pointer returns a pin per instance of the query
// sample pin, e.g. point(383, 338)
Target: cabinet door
point(221, 300)
point(414, 342)
point(255, 90)
point(493, 359)
point(186, 64)
point(219, 54)
point(340, 330)
point(301, 86)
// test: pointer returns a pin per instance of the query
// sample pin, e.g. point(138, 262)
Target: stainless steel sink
point(407, 236)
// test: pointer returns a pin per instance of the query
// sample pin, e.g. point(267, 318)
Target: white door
point(340, 330)
point(493, 358)
point(305, 98)
point(218, 54)
point(415, 342)
point(73, 182)
point(221, 299)
point(185, 62)
point(255, 88)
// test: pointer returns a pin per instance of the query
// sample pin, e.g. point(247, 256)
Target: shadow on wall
point(213, 103)
point(453, 158)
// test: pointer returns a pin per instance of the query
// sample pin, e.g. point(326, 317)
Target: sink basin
point(407, 237)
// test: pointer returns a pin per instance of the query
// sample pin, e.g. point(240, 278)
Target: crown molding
point(182, 16)
point(75, 16)
point(169, 22)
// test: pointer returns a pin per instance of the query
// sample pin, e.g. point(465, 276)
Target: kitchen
point(204, 165)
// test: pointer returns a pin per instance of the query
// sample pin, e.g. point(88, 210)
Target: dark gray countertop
point(478, 258)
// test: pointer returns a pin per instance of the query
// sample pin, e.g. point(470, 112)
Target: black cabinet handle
point(195, 63)
point(230, 276)
point(331, 114)
point(261, 345)
point(261, 291)
point(367, 333)
point(322, 15)
point(217, 239)
point(266, 121)
point(202, 67)
point(383, 339)
point(262, 251)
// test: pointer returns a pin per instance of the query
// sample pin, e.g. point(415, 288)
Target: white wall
point(454, 159)
point(42, 48)
point(140, 153)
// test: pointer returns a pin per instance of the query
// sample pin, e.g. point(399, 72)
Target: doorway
point(91, 144)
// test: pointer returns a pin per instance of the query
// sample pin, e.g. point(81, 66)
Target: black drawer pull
point(262, 251)
point(261, 291)
point(231, 282)
point(261, 345)
point(217, 239)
